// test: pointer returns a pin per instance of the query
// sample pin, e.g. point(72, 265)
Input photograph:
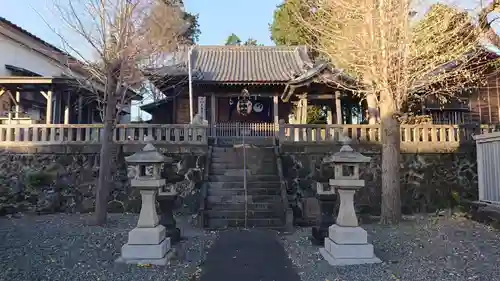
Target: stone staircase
point(226, 192)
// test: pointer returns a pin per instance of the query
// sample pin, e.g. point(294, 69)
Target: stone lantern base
point(146, 246)
point(167, 219)
point(327, 208)
point(348, 246)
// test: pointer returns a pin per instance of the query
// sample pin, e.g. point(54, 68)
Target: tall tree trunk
point(106, 156)
point(391, 193)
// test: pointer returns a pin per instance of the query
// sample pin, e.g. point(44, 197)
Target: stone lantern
point(147, 243)
point(347, 243)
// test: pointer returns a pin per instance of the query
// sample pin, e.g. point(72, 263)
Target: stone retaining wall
point(429, 181)
point(62, 179)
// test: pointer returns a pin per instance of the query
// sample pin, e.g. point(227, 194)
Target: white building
point(34, 72)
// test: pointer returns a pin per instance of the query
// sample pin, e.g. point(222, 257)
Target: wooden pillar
point(59, 97)
point(80, 110)
point(304, 110)
point(90, 113)
point(298, 112)
point(275, 109)
point(66, 108)
point(329, 115)
point(48, 114)
point(174, 111)
point(17, 105)
point(213, 112)
point(338, 108)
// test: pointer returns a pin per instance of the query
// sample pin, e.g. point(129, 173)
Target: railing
point(488, 167)
point(43, 134)
point(294, 133)
point(202, 208)
point(287, 212)
point(250, 130)
point(92, 133)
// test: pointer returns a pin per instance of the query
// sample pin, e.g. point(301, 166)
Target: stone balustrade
point(50, 134)
point(53, 134)
point(425, 133)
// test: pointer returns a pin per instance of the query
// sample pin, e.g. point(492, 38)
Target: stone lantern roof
point(148, 155)
point(346, 155)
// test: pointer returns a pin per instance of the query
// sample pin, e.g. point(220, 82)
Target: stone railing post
point(147, 243)
point(347, 243)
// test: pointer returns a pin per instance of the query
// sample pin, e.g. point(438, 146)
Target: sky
point(217, 18)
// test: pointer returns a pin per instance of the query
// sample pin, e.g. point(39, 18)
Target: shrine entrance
point(245, 116)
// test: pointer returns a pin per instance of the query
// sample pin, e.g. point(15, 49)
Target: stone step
point(274, 223)
point(251, 153)
point(241, 191)
point(239, 171)
point(239, 159)
point(241, 199)
point(250, 185)
point(255, 142)
point(232, 149)
point(237, 178)
point(251, 214)
point(241, 165)
point(226, 206)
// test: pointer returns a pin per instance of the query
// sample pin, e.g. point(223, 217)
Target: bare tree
point(397, 59)
point(126, 36)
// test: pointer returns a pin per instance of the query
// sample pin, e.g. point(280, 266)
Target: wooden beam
point(320, 96)
point(11, 97)
point(25, 80)
point(44, 94)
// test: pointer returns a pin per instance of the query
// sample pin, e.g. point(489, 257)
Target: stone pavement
point(248, 255)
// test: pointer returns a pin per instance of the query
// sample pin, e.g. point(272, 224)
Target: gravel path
point(60, 247)
point(425, 248)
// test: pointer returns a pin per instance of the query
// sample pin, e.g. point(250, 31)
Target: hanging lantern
point(244, 105)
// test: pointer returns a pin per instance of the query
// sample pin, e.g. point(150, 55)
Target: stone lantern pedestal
point(347, 243)
point(327, 198)
point(166, 201)
point(147, 243)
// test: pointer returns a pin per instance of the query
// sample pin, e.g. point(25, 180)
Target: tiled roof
point(244, 64)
